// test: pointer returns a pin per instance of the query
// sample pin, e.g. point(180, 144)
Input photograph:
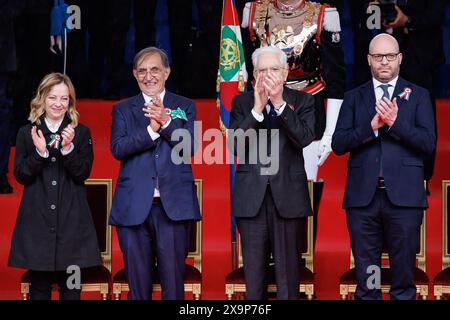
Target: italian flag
point(232, 75)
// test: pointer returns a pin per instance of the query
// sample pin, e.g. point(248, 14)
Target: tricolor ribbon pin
point(55, 141)
point(405, 94)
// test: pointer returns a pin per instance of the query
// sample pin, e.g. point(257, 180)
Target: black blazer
point(289, 183)
point(54, 227)
point(403, 146)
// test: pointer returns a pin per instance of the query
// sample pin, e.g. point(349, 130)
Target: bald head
point(383, 40)
point(384, 57)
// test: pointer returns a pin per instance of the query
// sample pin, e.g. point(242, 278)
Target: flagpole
point(65, 50)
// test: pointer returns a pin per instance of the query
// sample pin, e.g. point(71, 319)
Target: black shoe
point(5, 187)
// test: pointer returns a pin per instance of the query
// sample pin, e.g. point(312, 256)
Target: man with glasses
point(270, 201)
point(387, 126)
point(155, 199)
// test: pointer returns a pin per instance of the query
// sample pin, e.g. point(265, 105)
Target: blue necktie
point(273, 124)
point(385, 87)
point(382, 130)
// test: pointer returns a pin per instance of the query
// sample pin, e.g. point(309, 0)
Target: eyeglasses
point(142, 72)
point(389, 56)
point(272, 69)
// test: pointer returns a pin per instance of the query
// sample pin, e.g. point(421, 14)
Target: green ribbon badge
point(178, 113)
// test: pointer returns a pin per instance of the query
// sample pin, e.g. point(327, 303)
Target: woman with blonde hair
point(54, 228)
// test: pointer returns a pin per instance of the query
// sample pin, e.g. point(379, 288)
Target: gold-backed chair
point(193, 266)
point(98, 278)
point(441, 282)
point(347, 282)
point(235, 280)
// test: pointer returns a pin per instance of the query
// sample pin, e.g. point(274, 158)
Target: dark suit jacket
point(142, 160)
point(403, 146)
point(288, 185)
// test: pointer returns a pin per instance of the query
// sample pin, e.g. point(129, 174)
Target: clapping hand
point(387, 110)
point(38, 140)
point(156, 113)
point(67, 134)
point(274, 87)
point(260, 94)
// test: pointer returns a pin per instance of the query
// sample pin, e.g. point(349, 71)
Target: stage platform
point(332, 250)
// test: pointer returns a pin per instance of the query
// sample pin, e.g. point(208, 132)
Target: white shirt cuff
point(166, 124)
point(154, 135)
point(44, 155)
point(375, 132)
point(71, 147)
point(258, 117)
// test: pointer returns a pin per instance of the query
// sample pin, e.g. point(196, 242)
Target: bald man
point(387, 127)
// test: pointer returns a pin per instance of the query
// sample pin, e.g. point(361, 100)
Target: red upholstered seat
point(237, 276)
point(349, 277)
point(191, 275)
point(442, 278)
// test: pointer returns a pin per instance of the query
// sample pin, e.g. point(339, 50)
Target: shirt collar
point(148, 98)
point(377, 83)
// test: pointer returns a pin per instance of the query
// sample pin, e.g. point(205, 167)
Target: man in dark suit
point(155, 198)
point(417, 26)
point(387, 126)
point(271, 197)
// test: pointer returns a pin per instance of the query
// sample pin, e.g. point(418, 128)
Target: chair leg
point(104, 296)
point(196, 296)
point(309, 296)
point(438, 297)
point(344, 297)
point(117, 296)
point(229, 296)
point(25, 296)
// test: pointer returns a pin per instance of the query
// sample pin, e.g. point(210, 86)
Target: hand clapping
point(387, 110)
point(268, 85)
point(38, 140)
point(67, 137)
point(156, 113)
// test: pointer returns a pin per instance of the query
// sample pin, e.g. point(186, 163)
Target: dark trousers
point(41, 285)
point(399, 228)
point(262, 235)
point(157, 239)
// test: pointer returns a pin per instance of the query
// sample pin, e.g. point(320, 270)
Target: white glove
point(333, 107)
point(245, 15)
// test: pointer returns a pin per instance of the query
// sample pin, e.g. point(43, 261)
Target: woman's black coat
point(54, 227)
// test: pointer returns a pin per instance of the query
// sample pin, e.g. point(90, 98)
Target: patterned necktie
point(385, 87)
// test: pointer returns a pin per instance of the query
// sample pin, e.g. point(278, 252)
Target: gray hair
point(273, 50)
point(148, 52)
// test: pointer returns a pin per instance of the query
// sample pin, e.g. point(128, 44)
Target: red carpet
point(332, 250)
